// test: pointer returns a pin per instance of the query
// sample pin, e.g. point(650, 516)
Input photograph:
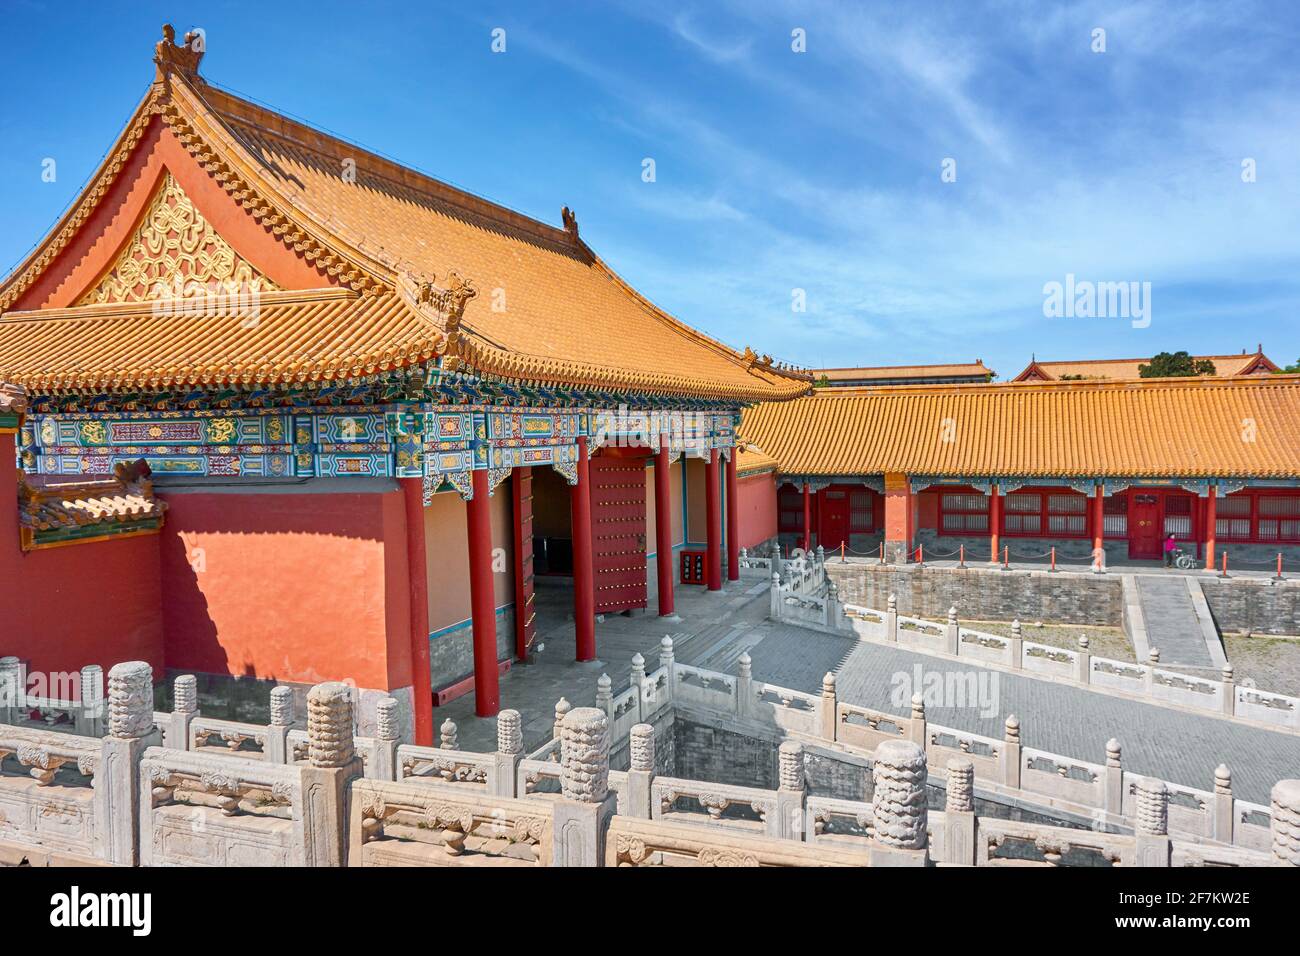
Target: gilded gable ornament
point(174, 253)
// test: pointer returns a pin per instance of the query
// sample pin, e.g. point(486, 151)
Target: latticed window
point(1178, 516)
point(964, 514)
point(1115, 516)
point(861, 518)
point(790, 508)
point(1232, 518)
point(1279, 518)
point(1067, 514)
point(1023, 514)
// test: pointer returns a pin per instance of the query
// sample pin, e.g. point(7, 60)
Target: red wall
point(292, 586)
point(92, 603)
point(756, 508)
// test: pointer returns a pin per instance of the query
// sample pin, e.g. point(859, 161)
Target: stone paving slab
point(705, 623)
point(1174, 745)
point(1171, 622)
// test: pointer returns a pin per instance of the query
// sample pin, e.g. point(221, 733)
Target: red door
point(1144, 526)
point(618, 531)
point(525, 612)
point(835, 519)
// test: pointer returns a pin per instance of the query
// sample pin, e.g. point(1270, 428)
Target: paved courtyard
point(716, 628)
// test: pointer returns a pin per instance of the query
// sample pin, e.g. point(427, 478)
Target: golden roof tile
point(1234, 427)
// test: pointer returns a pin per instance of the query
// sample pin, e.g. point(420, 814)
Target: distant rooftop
point(1247, 363)
point(955, 373)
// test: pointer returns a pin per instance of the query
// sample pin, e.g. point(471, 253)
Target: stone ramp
point(1173, 625)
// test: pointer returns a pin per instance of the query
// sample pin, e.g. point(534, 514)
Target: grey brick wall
point(1241, 605)
point(451, 656)
point(983, 594)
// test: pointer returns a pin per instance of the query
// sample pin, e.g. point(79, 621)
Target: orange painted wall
point(63, 608)
point(448, 561)
point(292, 586)
point(756, 509)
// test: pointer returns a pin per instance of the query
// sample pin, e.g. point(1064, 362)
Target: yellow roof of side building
point(1233, 427)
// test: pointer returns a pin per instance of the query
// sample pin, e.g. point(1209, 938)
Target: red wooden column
point(417, 571)
point(584, 578)
point(899, 517)
point(664, 529)
point(482, 602)
point(733, 519)
point(995, 523)
point(806, 543)
point(713, 523)
point(1211, 509)
point(1098, 519)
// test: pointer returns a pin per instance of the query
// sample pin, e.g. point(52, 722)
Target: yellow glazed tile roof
point(1167, 427)
point(752, 460)
point(63, 512)
point(952, 370)
point(1225, 366)
point(543, 306)
point(288, 337)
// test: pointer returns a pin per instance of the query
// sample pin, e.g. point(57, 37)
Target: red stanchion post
point(1224, 572)
point(961, 560)
point(1053, 559)
point(842, 561)
point(1279, 565)
point(1006, 558)
point(920, 555)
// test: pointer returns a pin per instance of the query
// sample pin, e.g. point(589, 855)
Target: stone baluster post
point(898, 805)
point(333, 764)
point(952, 633)
point(117, 778)
point(277, 747)
point(1223, 800)
point(448, 736)
point(835, 619)
point(1229, 690)
point(581, 814)
point(744, 685)
point(1016, 646)
point(916, 731)
point(1083, 662)
point(637, 682)
point(1153, 661)
point(11, 689)
point(641, 771)
point(1009, 754)
point(791, 793)
point(891, 618)
point(828, 721)
point(562, 707)
point(387, 737)
point(775, 595)
point(1114, 784)
point(510, 750)
point(90, 716)
point(1284, 822)
point(185, 707)
point(605, 696)
point(666, 661)
point(959, 813)
point(1151, 824)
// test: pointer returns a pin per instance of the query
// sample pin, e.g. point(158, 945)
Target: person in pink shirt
point(1170, 547)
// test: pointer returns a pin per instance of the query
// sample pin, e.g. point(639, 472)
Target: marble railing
point(808, 598)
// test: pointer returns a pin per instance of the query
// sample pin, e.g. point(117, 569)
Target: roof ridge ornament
point(182, 58)
point(570, 222)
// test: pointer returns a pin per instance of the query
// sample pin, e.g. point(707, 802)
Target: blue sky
point(778, 170)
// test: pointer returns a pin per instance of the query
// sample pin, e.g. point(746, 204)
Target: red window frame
point(964, 506)
point(1029, 513)
point(789, 508)
point(862, 511)
point(1243, 516)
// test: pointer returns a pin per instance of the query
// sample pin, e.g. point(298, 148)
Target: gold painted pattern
point(174, 250)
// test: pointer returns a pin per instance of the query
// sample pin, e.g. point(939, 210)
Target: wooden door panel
point(525, 610)
point(1144, 526)
point(618, 531)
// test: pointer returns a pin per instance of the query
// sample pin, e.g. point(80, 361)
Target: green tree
point(1176, 365)
point(1292, 368)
